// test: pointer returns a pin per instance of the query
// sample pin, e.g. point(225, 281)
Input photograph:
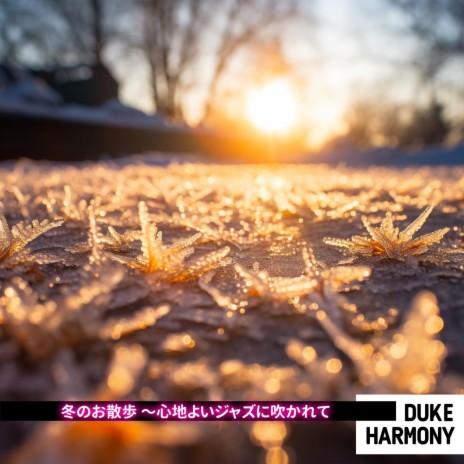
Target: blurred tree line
point(182, 42)
point(438, 27)
point(376, 123)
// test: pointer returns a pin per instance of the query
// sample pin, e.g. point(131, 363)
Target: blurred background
point(254, 79)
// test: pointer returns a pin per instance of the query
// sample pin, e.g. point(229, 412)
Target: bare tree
point(247, 23)
point(439, 27)
point(25, 35)
point(187, 44)
point(58, 32)
point(370, 123)
point(170, 42)
point(375, 122)
point(87, 25)
point(176, 34)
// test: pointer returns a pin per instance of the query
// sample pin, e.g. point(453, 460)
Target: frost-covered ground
point(240, 297)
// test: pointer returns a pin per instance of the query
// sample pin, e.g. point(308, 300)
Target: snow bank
point(29, 96)
point(344, 152)
point(28, 90)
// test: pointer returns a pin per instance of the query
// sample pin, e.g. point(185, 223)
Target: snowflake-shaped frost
point(387, 241)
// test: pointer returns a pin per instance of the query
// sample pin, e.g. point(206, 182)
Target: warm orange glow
point(273, 108)
point(324, 119)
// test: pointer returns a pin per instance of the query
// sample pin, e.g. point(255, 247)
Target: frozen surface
point(272, 313)
point(343, 151)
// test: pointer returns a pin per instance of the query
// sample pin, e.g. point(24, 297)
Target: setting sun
point(273, 108)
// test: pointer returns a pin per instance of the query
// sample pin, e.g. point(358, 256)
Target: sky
point(355, 50)
point(334, 60)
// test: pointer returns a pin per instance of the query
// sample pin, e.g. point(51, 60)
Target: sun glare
point(273, 108)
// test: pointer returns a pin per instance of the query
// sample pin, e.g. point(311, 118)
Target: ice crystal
point(279, 289)
point(42, 327)
point(81, 441)
point(169, 260)
point(337, 205)
point(13, 242)
point(317, 287)
point(92, 245)
point(119, 243)
point(71, 211)
point(410, 361)
point(246, 234)
point(155, 255)
point(67, 313)
point(195, 268)
point(387, 241)
point(23, 200)
point(96, 244)
point(258, 284)
point(115, 328)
